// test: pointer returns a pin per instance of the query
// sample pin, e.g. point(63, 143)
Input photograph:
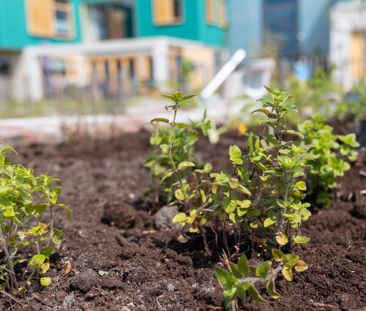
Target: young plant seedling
point(173, 148)
point(24, 198)
point(329, 156)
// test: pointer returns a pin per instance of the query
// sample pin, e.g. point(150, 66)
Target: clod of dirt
point(84, 281)
point(359, 211)
point(112, 282)
point(163, 218)
point(120, 215)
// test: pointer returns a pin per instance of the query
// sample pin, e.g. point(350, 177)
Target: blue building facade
point(297, 26)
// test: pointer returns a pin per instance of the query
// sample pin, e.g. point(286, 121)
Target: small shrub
point(261, 199)
point(24, 238)
point(329, 156)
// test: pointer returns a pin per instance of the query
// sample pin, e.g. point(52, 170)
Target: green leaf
point(37, 260)
point(183, 126)
point(235, 155)
point(277, 255)
point(301, 239)
point(103, 273)
point(182, 239)
point(185, 164)
point(179, 194)
point(294, 133)
point(287, 273)
point(243, 190)
point(58, 236)
point(224, 277)
point(269, 222)
point(159, 120)
point(234, 269)
point(263, 269)
point(271, 290)
point(243, 266)
point(255, 294)
point(301, 185)
point(68, 211)
point(281, 238)
point(47, 251)
point(187, 97)
point(46, 281)
point(301, 266)
point(349, 140)
point(262, 110)
point(290, 260)
point(180, 218)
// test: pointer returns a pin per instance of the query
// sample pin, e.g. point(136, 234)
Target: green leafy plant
point(263, 195)
point(260, 199)
point(24, 238)
point(329, 156)
point(173, 148)
point(241, 280)
point(244, 279)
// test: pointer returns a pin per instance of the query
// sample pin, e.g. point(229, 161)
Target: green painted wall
point(13, 27)
point(210, 34)
point(14, 34)
point(193, 26)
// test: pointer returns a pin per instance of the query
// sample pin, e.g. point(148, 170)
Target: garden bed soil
point(116, 259)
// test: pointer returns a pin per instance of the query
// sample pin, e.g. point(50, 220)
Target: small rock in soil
point(68, 302)
point(84, 281)
point(170, 287)
point(120, 215)
point(164, 216)
point(359, 211)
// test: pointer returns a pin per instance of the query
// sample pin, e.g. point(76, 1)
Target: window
point(62, 20)
point(168, 12)
point(280, 23)
point(5, 66)
point(49, 18)
point(216, 12)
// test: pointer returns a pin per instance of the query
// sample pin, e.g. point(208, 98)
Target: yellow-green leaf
point(301, 239)
point(180, 218)
point(46, 281)
point(162, 120)
point(235, 155)
point(281, 238)
point(182, 239)
point(185, 164)
point(287, 273)
point(301, 266)
point(179, 194)
point(269, 222)
point(301, 185)
point(277, 255)
point(271, 290)
point(45, 267)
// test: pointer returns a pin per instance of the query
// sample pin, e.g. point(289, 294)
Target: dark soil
point(119, 261)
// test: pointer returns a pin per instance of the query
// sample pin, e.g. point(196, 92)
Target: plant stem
point(172, 126)
point(51, 225)
point(13, 281)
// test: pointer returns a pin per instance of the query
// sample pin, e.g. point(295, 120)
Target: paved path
point(52, 129)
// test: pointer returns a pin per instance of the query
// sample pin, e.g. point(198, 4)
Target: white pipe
point(223, 74)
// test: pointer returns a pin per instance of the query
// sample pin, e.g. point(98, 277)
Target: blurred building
point(108, 46)
point(348, 42)
point(286, 28)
